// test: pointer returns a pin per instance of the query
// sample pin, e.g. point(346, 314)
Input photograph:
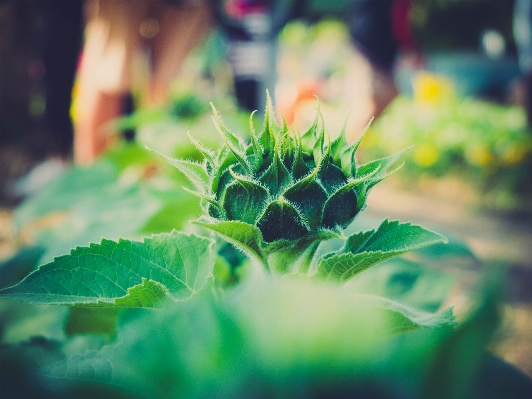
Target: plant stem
point(308, 255)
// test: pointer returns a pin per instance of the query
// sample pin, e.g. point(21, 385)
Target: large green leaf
point(365, 249)
point(124, 273)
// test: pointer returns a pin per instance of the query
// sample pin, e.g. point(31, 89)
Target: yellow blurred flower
point(426, 155)
point(513, 155)
point(431, 88)
point(479, 155)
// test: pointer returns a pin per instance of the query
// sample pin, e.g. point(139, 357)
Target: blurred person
point(116, 31)
point(380, 30)
point(252, 28)
point(522, 27)
point(251, 49)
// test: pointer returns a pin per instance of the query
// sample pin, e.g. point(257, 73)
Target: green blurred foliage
point(286, 339)
point(486, 145)
point(376, 338)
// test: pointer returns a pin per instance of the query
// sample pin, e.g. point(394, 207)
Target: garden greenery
point(285, 322)
point(275, 199)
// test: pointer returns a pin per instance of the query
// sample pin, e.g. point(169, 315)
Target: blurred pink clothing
point(116, 32)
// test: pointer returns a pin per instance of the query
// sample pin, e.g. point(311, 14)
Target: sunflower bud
point(291, 187)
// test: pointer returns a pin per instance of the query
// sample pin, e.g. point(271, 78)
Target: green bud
point(290, 187)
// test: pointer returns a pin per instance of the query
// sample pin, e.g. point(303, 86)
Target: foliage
point(283, 323)
point(486, 145)
point(281, 195)
point(123, 273)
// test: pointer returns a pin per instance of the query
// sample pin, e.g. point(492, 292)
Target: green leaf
point(344, 203)
point(291, 255)
point(393, 236)
point(194, 172)
point(340, 208)
point(338, 146)
point(123, 273)
point(347, 158)
point(229, 137)
point(208, 154)
point(342, 267)
point(309, 196)
point(308, 138)
point(317, 149)
point(348, 162)
point(281, 221)
point(212, 203)
point(244, 199)
point(256, 147)
point(267, 137)
point(403, 318)
point(356, 144)
point(299, 168)
point(366, 249)
point(244, 236)
point(333, 178)
point(240, 157)
point(407, 282)
point(277, 177)
point(148, 294)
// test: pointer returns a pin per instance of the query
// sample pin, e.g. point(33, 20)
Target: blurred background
point(86, 85)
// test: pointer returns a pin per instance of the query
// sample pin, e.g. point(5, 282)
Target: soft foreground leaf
point(302, 321)
point(124, 273)
point(262, 336)
point(402, 318)
point(406, 282)
point(189, 351)
point(365, 249)
point(290, 338)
